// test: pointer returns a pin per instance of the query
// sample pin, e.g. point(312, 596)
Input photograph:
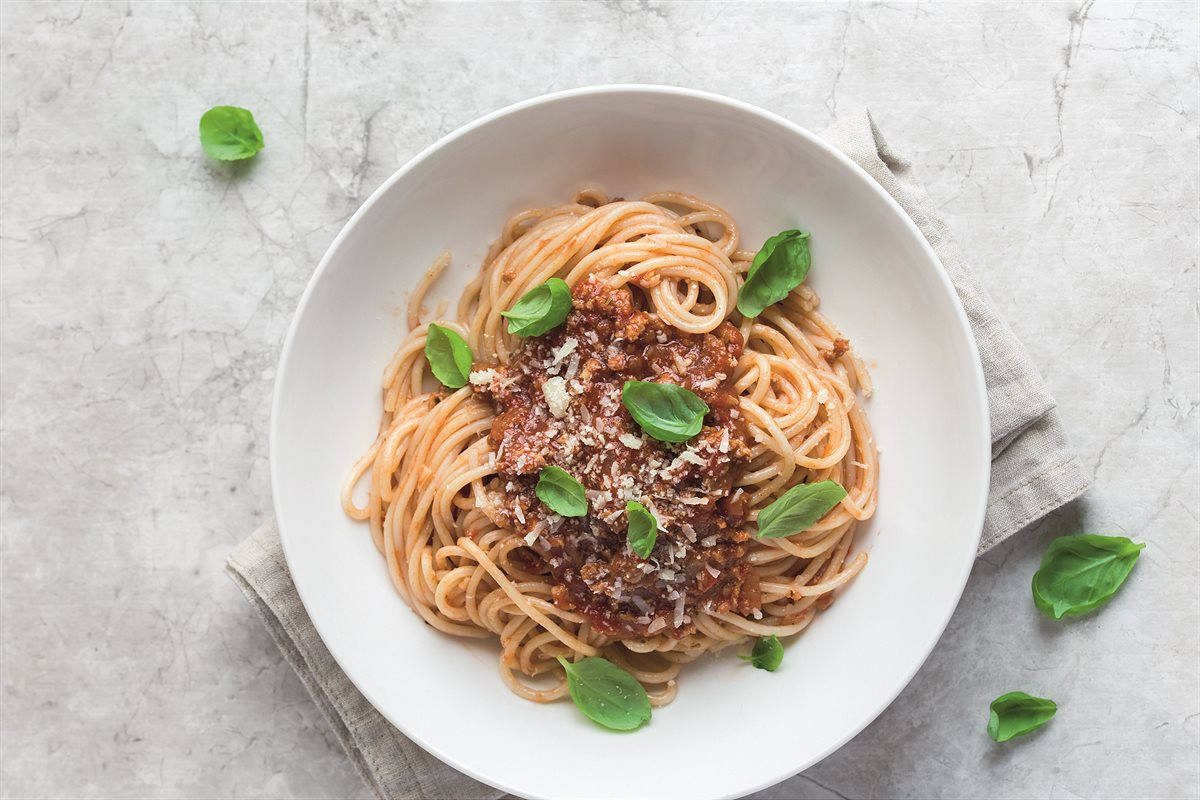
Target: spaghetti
point(449, 479)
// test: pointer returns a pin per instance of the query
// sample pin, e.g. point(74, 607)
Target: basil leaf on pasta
point(563, 494)
point(1080, 573)
point(767, 653)
point(798, 509)
point(642, 528)
point(606, 694)
point(449, 356)
point(540, 310)
point(229, 133)
point(780, 266)
point(667, 412)
point(1017, 713)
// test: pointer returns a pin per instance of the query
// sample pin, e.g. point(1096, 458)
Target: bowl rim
point(640, 89)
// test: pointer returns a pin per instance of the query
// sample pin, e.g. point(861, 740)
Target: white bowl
point(732, 729)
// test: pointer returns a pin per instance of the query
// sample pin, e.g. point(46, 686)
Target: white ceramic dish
point(732, 730)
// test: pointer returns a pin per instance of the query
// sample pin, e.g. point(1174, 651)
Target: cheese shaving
point(567, 348)
point(631, 441)
point(482, 377)
point(555, 392)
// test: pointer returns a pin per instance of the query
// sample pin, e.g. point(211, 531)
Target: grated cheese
point(555, 391)
point(631, 441)
point(568, 347)
point(482, 377)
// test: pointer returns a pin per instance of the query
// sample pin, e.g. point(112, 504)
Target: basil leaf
point(780, 266)
point(767, 653)
point(562, 493)
point(642, 528)
point(1017, 713)
point(667, 412)
point(1081, 573)
point(449, 356)
point(229, 133)
point(798, 509)
point(540, 310)
point(607, 694)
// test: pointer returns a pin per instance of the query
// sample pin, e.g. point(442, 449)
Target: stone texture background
point(146, 292)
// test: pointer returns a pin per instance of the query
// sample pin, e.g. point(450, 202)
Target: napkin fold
point(1034, 471)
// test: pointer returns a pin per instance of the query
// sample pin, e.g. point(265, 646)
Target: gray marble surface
point(146, 292)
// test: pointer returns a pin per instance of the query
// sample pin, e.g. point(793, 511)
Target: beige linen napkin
point(1034, 471)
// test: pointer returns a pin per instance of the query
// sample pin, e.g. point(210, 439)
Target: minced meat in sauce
point(559, 403)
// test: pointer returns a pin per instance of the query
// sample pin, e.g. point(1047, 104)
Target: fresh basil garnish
point(606, 694)
point(641, 528)
point(780, 266)
point(1081, 573)
point(229, 133)
point(798, 509)
point(562, 493)
point(767, 653)
point(667, 412)
point(449, 356)
point(540, 310)
point(1017, 713)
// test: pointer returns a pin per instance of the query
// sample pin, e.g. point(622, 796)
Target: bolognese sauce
point(558, 402)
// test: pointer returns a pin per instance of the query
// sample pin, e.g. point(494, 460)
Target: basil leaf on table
point(1081, 573)
point(798, 509)
point(1017, 713)
point(449, 356)
point(562, 493)
point(642, 528)
point(229, 133)
point(540, 310)
point(767, 653)
point(780, 266)
point(606, 694)
point(667, 412)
